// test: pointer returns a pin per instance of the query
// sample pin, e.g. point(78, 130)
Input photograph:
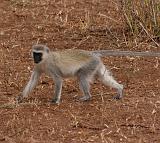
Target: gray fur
point(85, 75)
point(32, 82)
point(116, 53)
point(58, 89)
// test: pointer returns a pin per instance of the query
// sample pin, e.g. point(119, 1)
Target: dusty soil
point(85, 24)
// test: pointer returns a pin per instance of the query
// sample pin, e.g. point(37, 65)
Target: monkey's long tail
point(103, 53)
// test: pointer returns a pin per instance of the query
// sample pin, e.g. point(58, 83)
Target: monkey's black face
point(37, 57)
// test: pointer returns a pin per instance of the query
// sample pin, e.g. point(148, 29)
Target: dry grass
point(142, 18)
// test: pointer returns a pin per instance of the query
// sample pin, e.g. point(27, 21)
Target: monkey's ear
point(47, 50)
point(31, 52)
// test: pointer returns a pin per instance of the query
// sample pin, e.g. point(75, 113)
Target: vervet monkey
point(69, 63)
point(84, 65)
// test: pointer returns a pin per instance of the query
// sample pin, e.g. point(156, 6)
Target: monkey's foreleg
point(29, 87)
point(58, 89)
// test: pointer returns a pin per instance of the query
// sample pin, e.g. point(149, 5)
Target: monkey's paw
point(19, 98)
point(117, 97)
point(85, 98)
point(56, 101)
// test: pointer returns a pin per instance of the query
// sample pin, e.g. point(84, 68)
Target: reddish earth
point(85, 24)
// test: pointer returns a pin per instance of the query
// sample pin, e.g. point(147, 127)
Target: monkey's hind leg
point(84, 86)
point(86, 75)
point(108, 79)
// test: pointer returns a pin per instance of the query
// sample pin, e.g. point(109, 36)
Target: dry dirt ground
point(79, 24)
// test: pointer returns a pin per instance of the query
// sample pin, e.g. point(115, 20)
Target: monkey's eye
point(37, 57)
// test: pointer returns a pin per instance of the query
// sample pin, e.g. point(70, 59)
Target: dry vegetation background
point(80, 24)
